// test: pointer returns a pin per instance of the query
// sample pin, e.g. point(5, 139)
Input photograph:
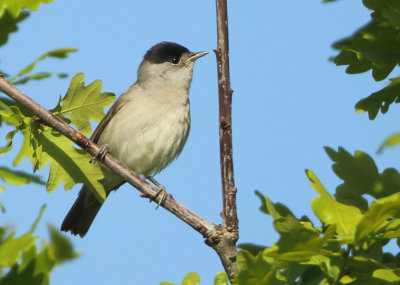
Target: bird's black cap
point(164, 52)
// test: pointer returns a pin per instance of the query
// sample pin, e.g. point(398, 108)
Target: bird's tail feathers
point(82, 213)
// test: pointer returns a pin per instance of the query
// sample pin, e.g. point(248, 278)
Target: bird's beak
point(196, 55)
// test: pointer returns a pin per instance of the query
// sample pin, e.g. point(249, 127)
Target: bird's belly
point(147, 144)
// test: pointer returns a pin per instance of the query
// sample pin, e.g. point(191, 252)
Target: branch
point(229, 212)
point(204, 227)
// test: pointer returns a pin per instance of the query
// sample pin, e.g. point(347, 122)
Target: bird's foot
point(161, 191)
point(101, 154)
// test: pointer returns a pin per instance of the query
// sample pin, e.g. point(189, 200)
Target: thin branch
point(204, 227)
point(229, 212)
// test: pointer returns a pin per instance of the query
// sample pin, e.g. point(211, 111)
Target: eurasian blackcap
point(146, 128)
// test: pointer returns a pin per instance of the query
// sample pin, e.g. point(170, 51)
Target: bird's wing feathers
point(110, 114)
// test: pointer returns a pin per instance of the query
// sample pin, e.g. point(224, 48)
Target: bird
point(146, 128)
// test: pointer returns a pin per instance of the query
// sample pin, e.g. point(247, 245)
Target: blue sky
point(289, 102)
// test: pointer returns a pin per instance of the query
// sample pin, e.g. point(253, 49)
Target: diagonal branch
point(204, 227)
point(229, 212)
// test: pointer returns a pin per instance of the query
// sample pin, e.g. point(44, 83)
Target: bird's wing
point(110, 114)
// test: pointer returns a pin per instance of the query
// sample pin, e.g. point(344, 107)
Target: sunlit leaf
point(68, 164)
point(221, 279)
point(18, 177)
point(56, 53)
point(8, 146)
point(377, 216)
point(387, 274)
point(9, 23)
point(298, 241)
point(280, 208)
point(191, 278)
point(39, 76)
point(255, 270)
point(391, 141)
point(331, 212)
point(15, 7)
point(26, 149)
point(84, 103)
point(12, 247)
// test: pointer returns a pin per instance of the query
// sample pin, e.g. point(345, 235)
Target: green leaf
point(255, 270)
point(221, 279)
point(39, 76)
point(377, 216)
point(25, 275)
point(281, 209)
point(386, 9)
point(60, 248)
point(360, 175)
point(15, 7)
point(28, 146)
point(9, 23)
point(8, 146)
point(375, 46)
point(18, 177)
point(83, 104)
point(331, 265)
point(254, 249)
point(191, 278)
point(68, 164)
point(380, 100)
point(331, 212)
point(390, 275)
point(362, 270)
point(10, 113)
point(30, 266)
point(299, 241)
point(14, 109)
point(11, 248)
point(391, 141)
point(56, 53)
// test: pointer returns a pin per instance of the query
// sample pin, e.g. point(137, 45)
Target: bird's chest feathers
point(148, 134)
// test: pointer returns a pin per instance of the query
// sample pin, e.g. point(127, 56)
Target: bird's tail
point(82, 213)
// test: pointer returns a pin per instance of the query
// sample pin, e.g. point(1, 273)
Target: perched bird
point(146, 128)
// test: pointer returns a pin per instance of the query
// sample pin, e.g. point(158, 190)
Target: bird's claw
point(101, 154)
point(161, 190)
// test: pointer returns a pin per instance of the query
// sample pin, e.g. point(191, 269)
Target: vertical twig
point(225, 120)
point(226, 249)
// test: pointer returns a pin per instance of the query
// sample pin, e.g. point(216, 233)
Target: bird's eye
point(175, 60)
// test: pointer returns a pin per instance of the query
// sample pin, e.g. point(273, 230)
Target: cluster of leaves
point(12, 13)
point(193, 278)
point(42, 145)
point(376, 47)
point(21, 262)
point(348, 247)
